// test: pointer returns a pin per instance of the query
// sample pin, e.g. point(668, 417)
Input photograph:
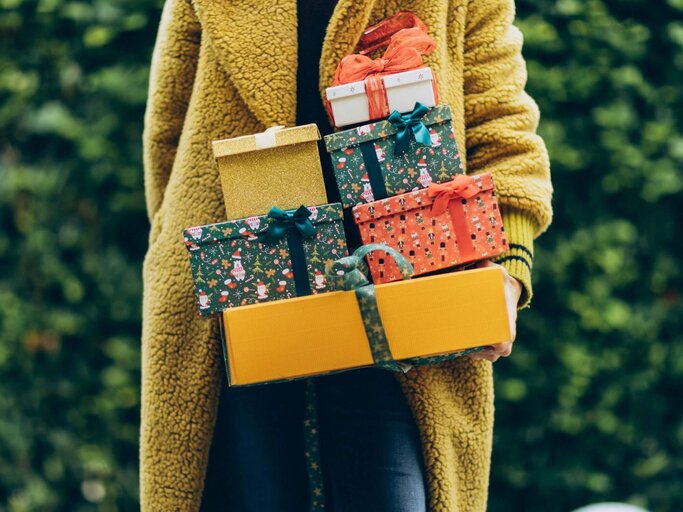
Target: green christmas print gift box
point(404, 153)
point(264, 257)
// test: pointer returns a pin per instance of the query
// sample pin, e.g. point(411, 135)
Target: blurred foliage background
point(587, 407)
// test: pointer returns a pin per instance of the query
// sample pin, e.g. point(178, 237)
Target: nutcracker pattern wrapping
point(264, 257)
point(444, 226)
point(368, 168)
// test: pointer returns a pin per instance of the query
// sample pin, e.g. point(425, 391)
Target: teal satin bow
point(282, 221)
point(410, 125)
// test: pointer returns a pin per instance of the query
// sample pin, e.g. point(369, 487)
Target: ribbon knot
point(410, 126)
point(282, 221)
point(350, 273)
point(405, 51)
point(462, 186)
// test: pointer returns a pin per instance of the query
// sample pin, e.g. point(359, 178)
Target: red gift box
point(446, 225)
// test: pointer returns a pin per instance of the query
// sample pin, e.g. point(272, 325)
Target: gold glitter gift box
point(280, 166)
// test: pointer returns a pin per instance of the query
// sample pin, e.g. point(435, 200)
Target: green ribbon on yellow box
point(350, 273)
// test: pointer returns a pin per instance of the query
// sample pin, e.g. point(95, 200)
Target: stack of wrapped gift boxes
point(292, 302)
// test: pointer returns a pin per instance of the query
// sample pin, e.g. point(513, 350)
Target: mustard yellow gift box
point(318, 334)
point(279, 167)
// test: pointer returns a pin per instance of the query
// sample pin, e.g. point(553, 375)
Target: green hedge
point(586, 406)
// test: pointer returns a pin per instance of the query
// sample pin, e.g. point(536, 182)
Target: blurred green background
point(588, 406)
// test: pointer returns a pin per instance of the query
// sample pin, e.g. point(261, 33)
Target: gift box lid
point(367, 132)
point(239, 228)
point(408, 77)
point(410, 201)
point(393, 80)
point(276, 136)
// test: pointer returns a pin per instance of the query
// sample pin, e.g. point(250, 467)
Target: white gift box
point(349, 103)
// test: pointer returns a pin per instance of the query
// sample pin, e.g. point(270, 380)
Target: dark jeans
point(371, 450)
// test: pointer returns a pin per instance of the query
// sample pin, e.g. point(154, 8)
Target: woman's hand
point(513, 290)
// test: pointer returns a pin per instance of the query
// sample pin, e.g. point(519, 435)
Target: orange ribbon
point(405, 51)
point(378, 35)
point(462, 186)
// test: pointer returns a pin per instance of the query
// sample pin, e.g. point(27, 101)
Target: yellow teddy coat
point(223, 68)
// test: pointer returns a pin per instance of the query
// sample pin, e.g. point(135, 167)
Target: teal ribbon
point(350, 273)
point(282, 221)
point(297, 226)
point(410, 126)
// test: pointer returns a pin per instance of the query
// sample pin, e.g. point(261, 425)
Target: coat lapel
point(256, 43)
point(347, 24)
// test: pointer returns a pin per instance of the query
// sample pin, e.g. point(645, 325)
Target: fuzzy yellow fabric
point(226, 68)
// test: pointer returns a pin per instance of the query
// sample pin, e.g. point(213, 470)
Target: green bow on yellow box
point(350, 273)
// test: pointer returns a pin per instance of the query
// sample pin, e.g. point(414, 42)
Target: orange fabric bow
point(405, 51)
point(462, 186)
point(379, 35)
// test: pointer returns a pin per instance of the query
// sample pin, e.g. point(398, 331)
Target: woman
point(227, 68)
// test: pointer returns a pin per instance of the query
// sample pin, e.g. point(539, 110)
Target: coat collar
point(256, 43)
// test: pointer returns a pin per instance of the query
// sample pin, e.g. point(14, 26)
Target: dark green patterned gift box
point(264, 257)
point(404, 153)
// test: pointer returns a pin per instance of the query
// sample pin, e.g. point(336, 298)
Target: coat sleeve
point(174, 63)
point(501, 121)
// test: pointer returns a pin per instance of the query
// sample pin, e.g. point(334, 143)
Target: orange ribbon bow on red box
point(462, 186)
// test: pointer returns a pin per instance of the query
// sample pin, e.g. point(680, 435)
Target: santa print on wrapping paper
point(320, 281)
point(415, 170)
point(231, 266)
point(204, 301)
point(435, 138)
point(379, 153)
point(261, 290)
